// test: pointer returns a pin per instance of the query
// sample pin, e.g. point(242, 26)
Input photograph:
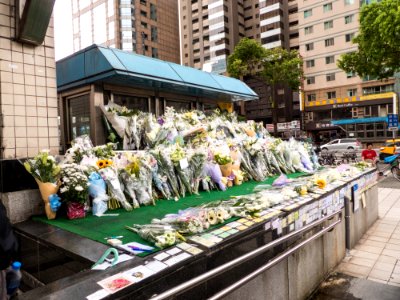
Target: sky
point(62, 29)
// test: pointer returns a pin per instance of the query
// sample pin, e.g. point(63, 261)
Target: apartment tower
point(148, 27)
point(210, 30)
point(339, 104)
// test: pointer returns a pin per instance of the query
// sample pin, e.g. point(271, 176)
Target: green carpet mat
point(97, 228)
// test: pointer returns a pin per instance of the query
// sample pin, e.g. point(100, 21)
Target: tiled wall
point(28, 93)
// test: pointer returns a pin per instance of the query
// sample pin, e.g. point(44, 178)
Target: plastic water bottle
point(13, 278)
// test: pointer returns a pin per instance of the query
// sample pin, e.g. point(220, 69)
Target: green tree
point(246, 58)
point(378, 53)
point(275, 66)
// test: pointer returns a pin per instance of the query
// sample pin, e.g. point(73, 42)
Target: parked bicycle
point(390, 163)
point(329, 159)
point(348, 157)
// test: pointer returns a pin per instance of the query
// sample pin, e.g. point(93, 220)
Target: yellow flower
point(321, 183)
point(211, 217)
point(303, 191)
point(28, 167)
point(100, 163)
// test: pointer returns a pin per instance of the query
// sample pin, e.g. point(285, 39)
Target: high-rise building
point(148, 27)
point(339, 104)
point(210, 30)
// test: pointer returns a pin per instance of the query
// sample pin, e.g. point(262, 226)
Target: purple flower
point(160, 121)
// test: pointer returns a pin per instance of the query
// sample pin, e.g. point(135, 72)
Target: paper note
point(155, 266)
point(184, 163)
point(194, 250)
point(182, 256)
point(102, 266)
point(117, 282)
point(140, 272)
point(173, 251)
point(161, 256)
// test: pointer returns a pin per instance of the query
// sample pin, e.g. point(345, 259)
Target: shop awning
point(359, 121)
point(102, 64)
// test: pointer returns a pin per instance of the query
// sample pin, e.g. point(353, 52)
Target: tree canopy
point(246, 58)
point(378, 42)
point(274, 66)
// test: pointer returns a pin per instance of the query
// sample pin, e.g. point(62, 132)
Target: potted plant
point(44, 168)
point(74, 189)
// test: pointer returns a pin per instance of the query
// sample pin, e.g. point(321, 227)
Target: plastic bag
point(97, 190)
point(281, 180)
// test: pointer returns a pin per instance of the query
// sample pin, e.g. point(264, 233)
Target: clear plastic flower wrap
point(161, 235)
point(166, 168)
point(110, 175)
point(180, 160)
point(197, 163)
point(214, 172)
point(130, 186)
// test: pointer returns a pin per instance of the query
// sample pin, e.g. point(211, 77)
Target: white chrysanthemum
point(79, 188)
point(64, 189)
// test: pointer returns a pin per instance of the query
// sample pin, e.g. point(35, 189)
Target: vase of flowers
point(74, 189)
point(45, 170)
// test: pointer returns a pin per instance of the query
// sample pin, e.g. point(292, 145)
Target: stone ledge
point(21, 205)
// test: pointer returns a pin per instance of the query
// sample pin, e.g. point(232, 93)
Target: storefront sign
point(287, 126)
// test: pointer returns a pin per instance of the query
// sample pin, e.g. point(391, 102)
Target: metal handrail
point(229, 265)
point(271, 263)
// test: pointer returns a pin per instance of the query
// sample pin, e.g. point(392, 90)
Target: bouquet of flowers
point(197, 163)
point(181, 163)
point(161, 235)
point(74, 189)
point(110, 176)
point(80, 147)
point(166, 168)
point(45, 170)
point(137, 177)
point(224, 162)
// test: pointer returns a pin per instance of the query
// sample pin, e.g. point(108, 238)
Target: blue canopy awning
point(102, 64)
point(358, 121)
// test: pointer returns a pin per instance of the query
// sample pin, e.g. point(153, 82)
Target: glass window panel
point(83, 3)
point(178, 105)
point(110, 8)
point(132, 102)
point(86, 29)
point(100, 27)
point(111, 30)
point(75, 7)
point(126, 23)
point(307, 13)
point(327, 7)
point(348, 19)
point(79, 116)
point(328, 24)
point(76, 25)
point(125, 11)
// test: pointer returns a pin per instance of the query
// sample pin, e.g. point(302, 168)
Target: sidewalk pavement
point(377, 255)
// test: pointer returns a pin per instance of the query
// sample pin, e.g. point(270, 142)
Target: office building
point(337, 104)
point(148, 27)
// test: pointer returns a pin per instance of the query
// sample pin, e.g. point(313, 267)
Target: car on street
point(389, 148)
point(347, 144)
